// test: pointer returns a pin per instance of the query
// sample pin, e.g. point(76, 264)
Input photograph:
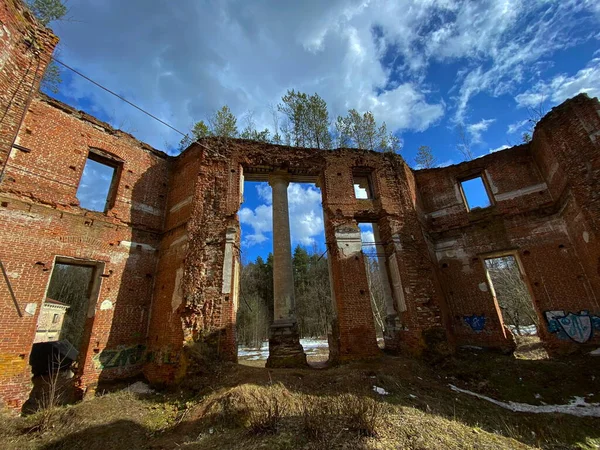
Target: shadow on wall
point(121, 349)
point(112, 337)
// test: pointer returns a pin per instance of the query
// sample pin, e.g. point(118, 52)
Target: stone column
point(284, 342)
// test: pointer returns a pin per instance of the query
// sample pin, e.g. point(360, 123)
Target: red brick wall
point(25, 49)
point(40, 220)
point(212, 172)
point(567, 148)
point(166, 330)
point(545, 201)
point(162, 243)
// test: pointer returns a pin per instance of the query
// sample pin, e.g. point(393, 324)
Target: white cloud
point(477, 129)
point(306, 213)
point(265, 192)
point(446, 163)
point(183, 63)
point(260, 220)
point(562, 87)
point(367, 237)
point(305, 210)
point(506, 39)
point(514, 127)
point(502, 147)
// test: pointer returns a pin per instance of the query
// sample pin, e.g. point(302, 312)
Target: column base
point(285, 350)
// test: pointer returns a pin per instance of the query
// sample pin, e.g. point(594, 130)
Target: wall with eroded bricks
point(167, 248)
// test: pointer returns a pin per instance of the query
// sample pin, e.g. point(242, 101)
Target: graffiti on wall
point(477, 323)
point(163, 356)
point(576, 327)
point(119, 357)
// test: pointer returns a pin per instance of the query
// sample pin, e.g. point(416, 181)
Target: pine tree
point(307, 120)
point(300, 264)
point(45, 11)
point(223, 123)
point(361, 131)
point(425, 158)
point(250, 132)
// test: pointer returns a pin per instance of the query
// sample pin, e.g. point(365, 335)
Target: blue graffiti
point(570, 326)
point(477, 323)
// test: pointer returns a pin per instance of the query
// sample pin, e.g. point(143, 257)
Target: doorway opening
point(61, 335)
point(515, 303)
point(314, 306)
point(379, 286)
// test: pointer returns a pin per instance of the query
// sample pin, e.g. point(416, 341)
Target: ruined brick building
point(164, 254)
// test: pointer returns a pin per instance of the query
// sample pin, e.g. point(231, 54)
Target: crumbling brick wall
point(168, 247)
point(41, 220)
point(566, 150)
point(25, 49)
point(544, 211)
point(195, 298)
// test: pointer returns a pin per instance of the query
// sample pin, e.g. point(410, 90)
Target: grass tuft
point(362, 415)
point(266, 418)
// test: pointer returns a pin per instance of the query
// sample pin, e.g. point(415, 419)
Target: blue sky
point(94, 185)
point(424, 67)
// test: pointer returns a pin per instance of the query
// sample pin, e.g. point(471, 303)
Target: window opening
point(70, 285)
point(475, 193)
point(97, 186)
point(363, 187)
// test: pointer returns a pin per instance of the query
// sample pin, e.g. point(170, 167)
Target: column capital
point(279, 177)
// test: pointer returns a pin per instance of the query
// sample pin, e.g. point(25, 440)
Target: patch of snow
point(314, 343)
point(139, 387)
point(595, 352)
point(471, 347)
point(528, 330)
point(311, 346)
point(576, 407)
point(380, 391)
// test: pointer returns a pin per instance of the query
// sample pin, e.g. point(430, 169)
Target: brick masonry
point(167, 250)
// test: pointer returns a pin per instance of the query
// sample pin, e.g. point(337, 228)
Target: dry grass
point(362, 415)
point(530, 347)
point(258, 409)
point(118, 420)
point(248, 408)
